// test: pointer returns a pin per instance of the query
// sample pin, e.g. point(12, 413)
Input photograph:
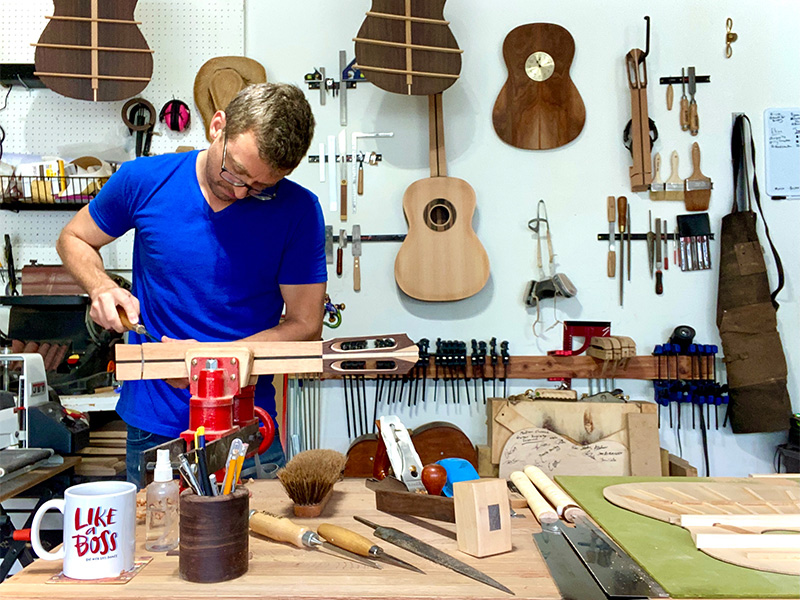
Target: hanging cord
point(742, 134)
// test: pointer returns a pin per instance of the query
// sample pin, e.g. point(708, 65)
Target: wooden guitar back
point(441, 259)
point(406, 47)
point(72, 56)
point(538, 115)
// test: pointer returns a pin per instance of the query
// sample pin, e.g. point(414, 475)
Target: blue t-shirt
point(204, 275)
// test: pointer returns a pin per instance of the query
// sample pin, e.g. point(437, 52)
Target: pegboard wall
point(183, 35)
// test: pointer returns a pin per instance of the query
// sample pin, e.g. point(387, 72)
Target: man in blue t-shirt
point(222, 244)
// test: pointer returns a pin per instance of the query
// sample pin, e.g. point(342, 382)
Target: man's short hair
point(280, 117)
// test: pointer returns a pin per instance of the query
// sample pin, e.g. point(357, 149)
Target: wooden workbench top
point(282, 571)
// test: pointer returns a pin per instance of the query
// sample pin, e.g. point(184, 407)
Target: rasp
point(420, 548)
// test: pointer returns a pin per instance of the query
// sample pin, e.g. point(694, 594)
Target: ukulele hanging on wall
point(441, 258)
point(406, 47)
point(539, 106)
point(93, 50)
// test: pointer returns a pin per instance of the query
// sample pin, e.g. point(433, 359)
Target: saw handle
point(551, 491)
point(278, 528)
point(543, 512)
point(346, 539)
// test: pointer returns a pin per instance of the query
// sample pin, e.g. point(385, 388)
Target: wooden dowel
point(381, 15)
point(90, 19)
point(412, 46)
point(407, 72)
point(85, 76)
point(100, 48)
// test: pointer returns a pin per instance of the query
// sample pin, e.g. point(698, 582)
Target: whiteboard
point(782, 152)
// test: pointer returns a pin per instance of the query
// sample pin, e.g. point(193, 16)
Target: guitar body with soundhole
point(442, 258)
point(539, 107)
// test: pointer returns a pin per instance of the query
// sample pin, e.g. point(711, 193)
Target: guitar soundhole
point(440, 214)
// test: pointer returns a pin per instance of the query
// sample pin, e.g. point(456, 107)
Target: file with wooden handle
point(282, 529)
point(354, 542)
point(612, 254)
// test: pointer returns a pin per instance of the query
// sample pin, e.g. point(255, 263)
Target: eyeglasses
point(266, 194)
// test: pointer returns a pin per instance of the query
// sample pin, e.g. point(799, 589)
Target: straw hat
point(220, 79)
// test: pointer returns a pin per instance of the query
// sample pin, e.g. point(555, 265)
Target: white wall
point(289, 39)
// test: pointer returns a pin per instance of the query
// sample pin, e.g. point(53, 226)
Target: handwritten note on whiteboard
point(782, 150)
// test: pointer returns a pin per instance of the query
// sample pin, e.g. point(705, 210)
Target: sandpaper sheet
point(667, 551)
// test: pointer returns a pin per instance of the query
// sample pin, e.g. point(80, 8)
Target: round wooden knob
point(434, 478)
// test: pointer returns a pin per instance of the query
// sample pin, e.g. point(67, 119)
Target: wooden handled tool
point(698, 187)
point(543, 512)
point(657, 185)
point(565, 506)
point(612, 255)
point(137, 328)
point(684, 112)
point(354, 542)
point(694, 120)
point(356, 246)
point(674, 185)
point(281, 529)
point(622, 220)
point(360, 185)
point(670, 96)
point(659, 281)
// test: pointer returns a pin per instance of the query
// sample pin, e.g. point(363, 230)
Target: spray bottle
point(162, 507)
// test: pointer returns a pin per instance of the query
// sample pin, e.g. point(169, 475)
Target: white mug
point(99, 529)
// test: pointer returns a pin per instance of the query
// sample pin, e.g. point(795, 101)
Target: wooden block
point(643, 448)
point(485, 466)
point(679, 467)
point(483, 518)
point(664, 462)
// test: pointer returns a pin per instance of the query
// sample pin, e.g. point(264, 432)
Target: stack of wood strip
point(105, 454)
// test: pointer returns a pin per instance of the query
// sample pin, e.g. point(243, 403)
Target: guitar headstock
point(370, 355)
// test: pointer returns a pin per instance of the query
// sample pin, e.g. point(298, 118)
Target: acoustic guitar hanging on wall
point(539, 106)
point(406, 47)
point(441, 258)
point(93, 50)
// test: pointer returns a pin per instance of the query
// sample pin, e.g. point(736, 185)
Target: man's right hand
point(104, 307)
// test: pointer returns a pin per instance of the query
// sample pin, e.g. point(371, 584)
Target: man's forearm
point(84, 263)
point(289, 331)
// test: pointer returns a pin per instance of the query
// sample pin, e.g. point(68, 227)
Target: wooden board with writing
point(554, 454)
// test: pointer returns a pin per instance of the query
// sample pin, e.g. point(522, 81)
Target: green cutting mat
point(667, 551)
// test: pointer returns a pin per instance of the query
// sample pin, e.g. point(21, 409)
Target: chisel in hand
point(137, 328)
point(354, 542)
point(281, 529)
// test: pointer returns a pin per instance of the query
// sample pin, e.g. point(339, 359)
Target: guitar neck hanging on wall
point(406, 47)
point(93, 50)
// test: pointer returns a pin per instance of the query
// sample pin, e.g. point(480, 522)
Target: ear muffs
point(176, 115)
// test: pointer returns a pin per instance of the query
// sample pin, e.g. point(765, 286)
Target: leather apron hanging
point(746, 309)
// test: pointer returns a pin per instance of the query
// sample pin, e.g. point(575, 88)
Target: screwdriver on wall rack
point(684, 112)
